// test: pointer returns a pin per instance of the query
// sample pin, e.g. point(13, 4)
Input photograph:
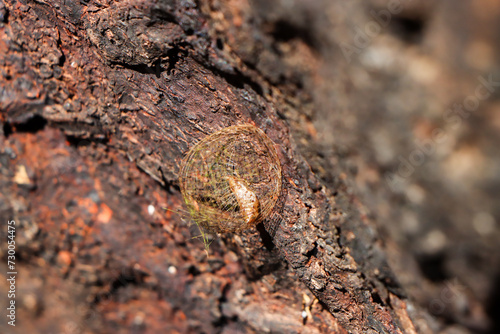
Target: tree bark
point(99, 103)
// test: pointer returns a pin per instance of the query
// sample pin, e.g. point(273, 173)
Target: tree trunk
point(100, 101)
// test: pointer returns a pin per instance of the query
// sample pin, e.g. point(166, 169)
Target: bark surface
point(99, 102)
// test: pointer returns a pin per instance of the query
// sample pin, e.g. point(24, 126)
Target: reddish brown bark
point(99, 103)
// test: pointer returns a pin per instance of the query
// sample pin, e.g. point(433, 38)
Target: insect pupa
point(231, 179)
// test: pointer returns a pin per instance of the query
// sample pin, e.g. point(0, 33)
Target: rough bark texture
point(100, 101)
